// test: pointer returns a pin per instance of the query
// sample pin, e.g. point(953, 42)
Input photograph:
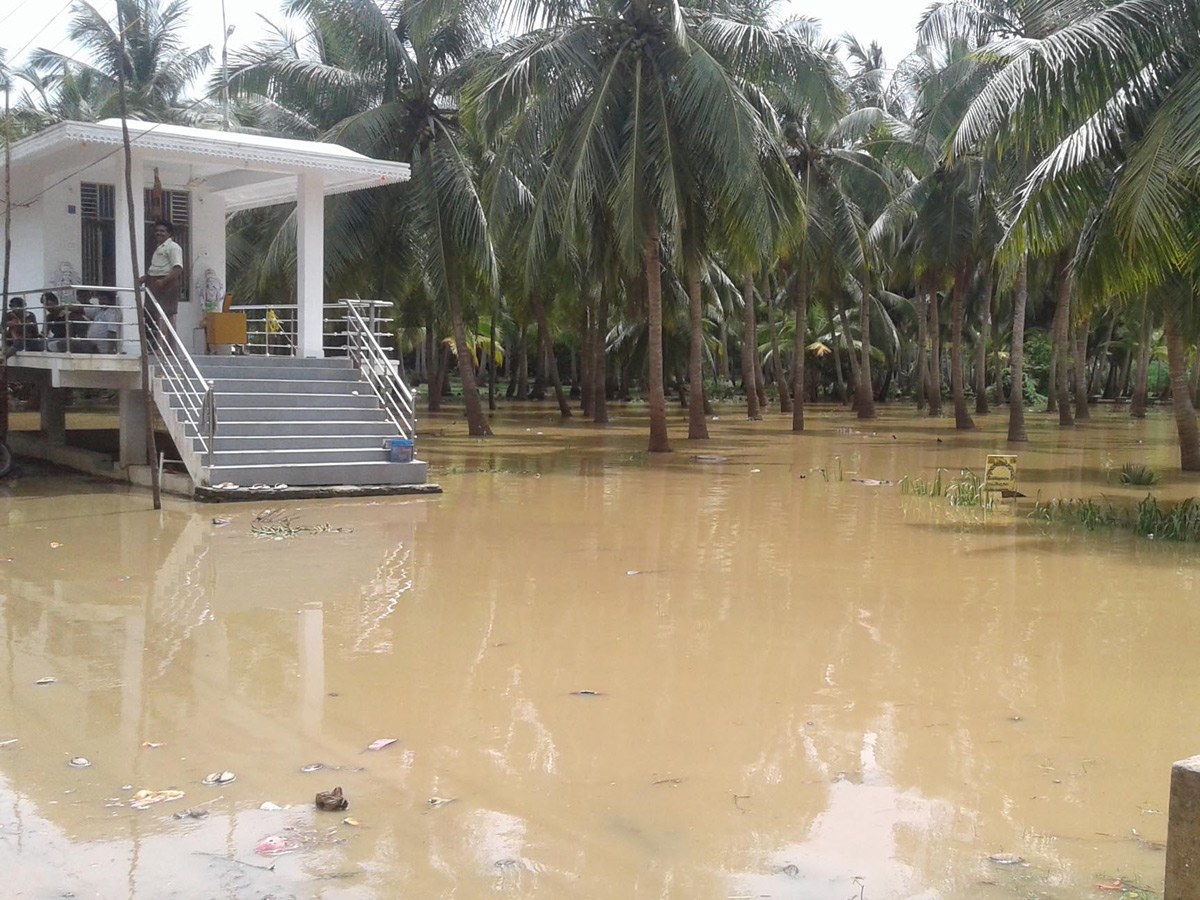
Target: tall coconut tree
point(1114, 96)
point(154, 59)
point(635, 104)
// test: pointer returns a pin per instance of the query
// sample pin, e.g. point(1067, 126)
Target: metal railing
point(62, 319)
point(380, 372)
point(180, 375)
point(271, 328)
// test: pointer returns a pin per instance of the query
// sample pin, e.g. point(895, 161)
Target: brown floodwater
point(805, 687)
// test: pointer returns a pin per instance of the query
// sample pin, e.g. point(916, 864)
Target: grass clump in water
point(1180, 522)
point(1136, 474)
point(964, 490)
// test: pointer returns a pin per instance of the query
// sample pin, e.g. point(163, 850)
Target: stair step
point(297, 474)
point(296, 414)
point(252, 361)
point(290, 386)
point(276, 442)
point(286, 373)
point(302, 455)
point(378, 427)
point(231, 400)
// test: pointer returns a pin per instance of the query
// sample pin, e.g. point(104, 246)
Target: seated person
point(56, 323)
point(22, 326)
point(79, 317)
point(104, 332)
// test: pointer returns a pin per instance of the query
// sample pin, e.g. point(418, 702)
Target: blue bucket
point(399, 450)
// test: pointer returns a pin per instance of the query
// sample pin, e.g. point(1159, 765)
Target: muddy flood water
point(607, 675)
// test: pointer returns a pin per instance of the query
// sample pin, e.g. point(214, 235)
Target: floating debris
point(152, 745)
point(79, 762)
point(9, 742)
point(351, 821)
point(1007, 859)
point(192, 812)
point(213, 779)
point(143, 799)
point(276, 844)
point(331, 801)
point(791, 870)
point(54, 545)
point(221, 520)
point(312, 767)
point(273, 523)
point(435, 802)
point(272, 807)
point(49, 679)
point(587, 694)
point(872, 482)
point(381, 743)
point(672, 782)
point(711, 460)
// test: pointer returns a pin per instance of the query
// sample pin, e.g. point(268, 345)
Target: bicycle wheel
point(6, 460)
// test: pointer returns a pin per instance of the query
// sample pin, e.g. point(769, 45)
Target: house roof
point(246, 170)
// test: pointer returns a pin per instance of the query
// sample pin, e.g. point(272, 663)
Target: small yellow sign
point(1001, 473)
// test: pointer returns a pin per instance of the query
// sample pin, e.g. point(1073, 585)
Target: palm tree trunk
point(935, 347)
point(1141, 384)
point(1081, 377)
point(523, 364)
point(658, 401)
point(546, 353)
point(587, 356)
point(1196, 378)
point(1052, 376)
point(492, 359)
point(1062, 340)
point(997, 369)
point(866, 387)
point(477, 424)
point(835, 340)
point(723, 351)
point(1181, 399)
point(760, 381)
point(777, 373)
point(849, 343)
point(962, 418)
point(539, 365)
point(920, 367)
point(697, 426)
point(749, 368)
point(981, 401)
point(600, 363)
point(801, 301)
point(1016, 364)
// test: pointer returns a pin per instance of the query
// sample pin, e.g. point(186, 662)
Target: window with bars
point(98, 228)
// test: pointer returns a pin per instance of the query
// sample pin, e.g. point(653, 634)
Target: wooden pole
point(7, 261)
point(151, 449)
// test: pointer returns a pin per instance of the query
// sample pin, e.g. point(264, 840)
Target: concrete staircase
point(282, 420)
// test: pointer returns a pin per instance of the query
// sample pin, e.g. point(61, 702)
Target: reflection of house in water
point(206, 639)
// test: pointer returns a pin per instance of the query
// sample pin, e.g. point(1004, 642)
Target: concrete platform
point(299, 492)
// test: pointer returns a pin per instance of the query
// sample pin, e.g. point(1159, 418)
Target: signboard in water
point(1001, 473)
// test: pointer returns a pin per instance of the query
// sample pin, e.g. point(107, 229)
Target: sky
point(29, 24)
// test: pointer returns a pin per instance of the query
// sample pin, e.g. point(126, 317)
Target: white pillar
point(310, 264)
point(121, 223)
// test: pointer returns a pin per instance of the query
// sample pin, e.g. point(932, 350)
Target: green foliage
point(1180, 522)
point(1136, 474)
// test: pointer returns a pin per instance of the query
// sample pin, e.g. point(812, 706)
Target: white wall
point(208, 253)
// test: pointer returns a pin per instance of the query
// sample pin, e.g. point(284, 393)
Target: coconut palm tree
point(157, 65)
point(635, 104)
point(1113, 96)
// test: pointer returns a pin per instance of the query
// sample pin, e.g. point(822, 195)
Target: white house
point(71, 227)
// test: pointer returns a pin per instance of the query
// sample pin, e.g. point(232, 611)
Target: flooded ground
point(633, 677)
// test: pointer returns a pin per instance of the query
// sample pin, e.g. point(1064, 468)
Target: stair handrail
point(180, 374)
point(394, 395)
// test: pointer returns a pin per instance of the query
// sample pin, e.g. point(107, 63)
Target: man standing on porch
point(165, 274)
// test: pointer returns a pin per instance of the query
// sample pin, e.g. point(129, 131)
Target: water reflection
point(632, 677)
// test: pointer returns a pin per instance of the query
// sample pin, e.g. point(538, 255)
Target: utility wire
point(37, 34)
